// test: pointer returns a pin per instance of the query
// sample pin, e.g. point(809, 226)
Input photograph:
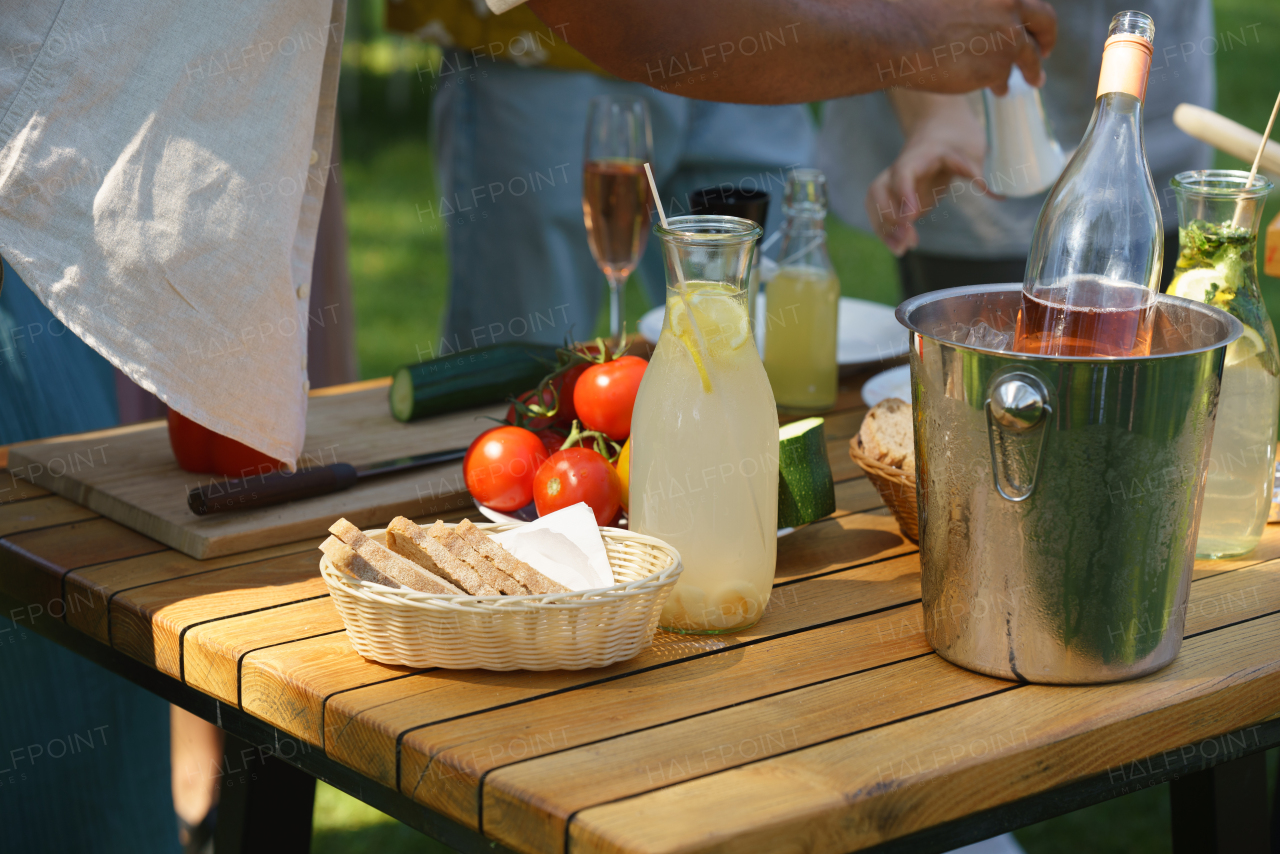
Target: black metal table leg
point(1223, 809)
point(265, 804)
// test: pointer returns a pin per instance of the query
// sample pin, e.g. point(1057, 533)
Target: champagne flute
point(614, 192)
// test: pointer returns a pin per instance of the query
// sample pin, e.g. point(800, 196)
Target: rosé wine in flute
point(615, 192)
point(615, 206)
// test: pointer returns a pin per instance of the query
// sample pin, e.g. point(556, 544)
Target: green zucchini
point(806, 491)
point(470, 378)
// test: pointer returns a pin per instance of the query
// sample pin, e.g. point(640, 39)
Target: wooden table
point(830, 726)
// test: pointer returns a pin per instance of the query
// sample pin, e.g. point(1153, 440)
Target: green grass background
point(398, 270)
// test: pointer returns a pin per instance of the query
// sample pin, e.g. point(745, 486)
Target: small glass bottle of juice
point(802, 303)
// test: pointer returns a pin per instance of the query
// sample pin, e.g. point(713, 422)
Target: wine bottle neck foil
point(1126, 63)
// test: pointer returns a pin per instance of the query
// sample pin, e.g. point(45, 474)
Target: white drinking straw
point(675, 260)
point(1266, 134)
point(662, 215)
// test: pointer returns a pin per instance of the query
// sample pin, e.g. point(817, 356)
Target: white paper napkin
point(565, 546)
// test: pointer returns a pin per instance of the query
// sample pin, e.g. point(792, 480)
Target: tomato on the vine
point(578, 474)
point(565, 385)
point(538, 422)
point(500, 467)
point(605, 394)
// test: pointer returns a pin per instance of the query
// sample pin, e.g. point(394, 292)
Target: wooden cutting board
point(129, 474)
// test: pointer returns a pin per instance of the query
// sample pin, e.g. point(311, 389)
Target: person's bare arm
point(772, 52)
point(944, 140)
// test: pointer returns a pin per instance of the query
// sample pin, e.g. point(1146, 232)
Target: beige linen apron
point(162, 166)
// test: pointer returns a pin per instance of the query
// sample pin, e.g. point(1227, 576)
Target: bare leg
point(195, 749)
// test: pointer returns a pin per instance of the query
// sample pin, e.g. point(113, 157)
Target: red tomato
point(578, 474)
point(565, 386)
point(605, 395)
point(551, 440)
point(500, 466)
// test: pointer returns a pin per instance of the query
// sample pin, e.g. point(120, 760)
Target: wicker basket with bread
point(451, 596)
point(885, 449)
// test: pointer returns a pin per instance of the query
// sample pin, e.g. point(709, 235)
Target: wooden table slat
point(211, 652)
point(89, 590)
point(46, 512)
point(882, 784)
point(34, 563)
point(14, 485)
point(147, 622)
point(79, 544)
point(528, 802)
point(287, 685)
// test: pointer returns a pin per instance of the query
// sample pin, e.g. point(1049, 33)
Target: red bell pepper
point(203, 451)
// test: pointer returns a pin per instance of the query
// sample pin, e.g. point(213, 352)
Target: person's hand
point(971, 44)
point(944, 141)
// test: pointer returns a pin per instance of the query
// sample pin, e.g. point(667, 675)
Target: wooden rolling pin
point(1224, 134)
point(1238, 141)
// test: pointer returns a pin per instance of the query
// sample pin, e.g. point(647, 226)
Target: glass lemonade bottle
point(704, 433)
point(1218, 219)
point(1094, 266)
point(802, 303)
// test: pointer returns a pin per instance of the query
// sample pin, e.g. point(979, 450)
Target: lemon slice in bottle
point(1195, 284)
point(1245, 347)
point(709, 317)
point(721, 318)
point(686, 332)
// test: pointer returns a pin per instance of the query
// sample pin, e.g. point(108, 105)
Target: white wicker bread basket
point(562, 631)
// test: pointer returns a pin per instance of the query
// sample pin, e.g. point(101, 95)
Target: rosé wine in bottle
point(1094, 267)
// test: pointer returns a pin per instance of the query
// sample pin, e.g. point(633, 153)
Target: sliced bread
point(407, 539)
point(462, 550)
point(355, 554)
point(506, 561)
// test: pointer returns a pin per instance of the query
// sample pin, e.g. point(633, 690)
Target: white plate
point(868, 331)
point(895, 382)
point(528, 514)
point(524, 514)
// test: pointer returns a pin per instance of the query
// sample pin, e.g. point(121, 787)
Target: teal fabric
point(84, 754)
point(51, 382)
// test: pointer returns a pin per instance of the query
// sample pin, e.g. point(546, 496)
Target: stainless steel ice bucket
point(1059, 497)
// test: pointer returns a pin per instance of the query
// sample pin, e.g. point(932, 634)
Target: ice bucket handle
point(1017, 407)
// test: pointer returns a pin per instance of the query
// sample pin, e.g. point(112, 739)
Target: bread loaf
point(888, 434)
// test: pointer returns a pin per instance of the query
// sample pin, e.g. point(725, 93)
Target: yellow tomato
point(624, 472)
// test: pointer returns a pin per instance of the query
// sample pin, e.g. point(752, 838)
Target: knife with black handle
point(278, 487)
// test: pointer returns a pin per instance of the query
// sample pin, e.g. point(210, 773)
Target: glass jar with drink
point(1219, 214)
point(802, 303)
point(704, 433)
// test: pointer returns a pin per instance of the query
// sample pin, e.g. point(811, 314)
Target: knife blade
point(278, 487)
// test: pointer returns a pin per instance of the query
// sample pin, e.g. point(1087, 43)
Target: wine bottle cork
point(1126, 62)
